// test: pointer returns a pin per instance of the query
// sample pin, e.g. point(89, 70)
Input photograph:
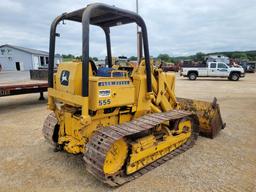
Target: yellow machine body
point(114, 100)
point(106, 92)
point(107, 96)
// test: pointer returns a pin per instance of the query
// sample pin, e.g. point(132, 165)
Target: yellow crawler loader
point(124, 125)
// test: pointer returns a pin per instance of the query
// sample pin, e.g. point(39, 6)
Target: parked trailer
point(24, 88)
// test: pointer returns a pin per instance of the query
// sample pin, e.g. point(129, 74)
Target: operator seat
point(93, 66)
point(106, 72)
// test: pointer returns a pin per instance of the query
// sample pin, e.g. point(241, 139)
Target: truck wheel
point(192, 76)
point(234, 77)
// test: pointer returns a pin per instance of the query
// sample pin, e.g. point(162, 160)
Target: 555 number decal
point(104, 102)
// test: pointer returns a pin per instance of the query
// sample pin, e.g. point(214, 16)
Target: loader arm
point(163, 85)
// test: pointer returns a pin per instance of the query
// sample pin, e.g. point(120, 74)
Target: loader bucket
point(208, 114)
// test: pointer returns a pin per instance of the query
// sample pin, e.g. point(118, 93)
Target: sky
point(175, 27)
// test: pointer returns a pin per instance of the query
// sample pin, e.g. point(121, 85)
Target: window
point(2, 51)
point(17, 66)
point(47, 60)
point(9, 51)
point(213, 65)
point(41, 60)
point(222, 65)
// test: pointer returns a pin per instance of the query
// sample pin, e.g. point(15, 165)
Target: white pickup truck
point(213, 69)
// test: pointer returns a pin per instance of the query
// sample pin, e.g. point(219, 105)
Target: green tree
point(95, 59)
point(239, 55)
point(199, 56)
point(164, 57)
point(133, 58)
point(68, 57)
point(79, 57)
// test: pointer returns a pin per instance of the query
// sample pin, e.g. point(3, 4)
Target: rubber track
point(103, 138)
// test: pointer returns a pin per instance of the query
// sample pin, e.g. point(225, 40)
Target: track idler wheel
point(115, 157)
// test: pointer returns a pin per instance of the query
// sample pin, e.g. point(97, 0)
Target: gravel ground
point(227, 163)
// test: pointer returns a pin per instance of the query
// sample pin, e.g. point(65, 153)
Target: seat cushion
point(106, 72)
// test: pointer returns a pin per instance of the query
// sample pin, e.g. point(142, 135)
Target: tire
point(192, 76)
point(234, 77)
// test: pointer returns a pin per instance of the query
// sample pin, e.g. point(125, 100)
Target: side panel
point(142, 102)
point(202, 72)
point(212, 72)
point(184, 72)
point(69, 78)
point(222, 72)
point(110, 92)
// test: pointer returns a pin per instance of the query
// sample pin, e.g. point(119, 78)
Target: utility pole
point(139, 37)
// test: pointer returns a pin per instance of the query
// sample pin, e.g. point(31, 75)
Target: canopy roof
point(103, 15)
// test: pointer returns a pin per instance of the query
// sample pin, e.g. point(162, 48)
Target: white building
point(15, 58)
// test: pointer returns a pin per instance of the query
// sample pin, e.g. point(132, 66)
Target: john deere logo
point(64, 78)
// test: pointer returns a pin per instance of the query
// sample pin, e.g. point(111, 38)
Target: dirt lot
point(227, 163)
